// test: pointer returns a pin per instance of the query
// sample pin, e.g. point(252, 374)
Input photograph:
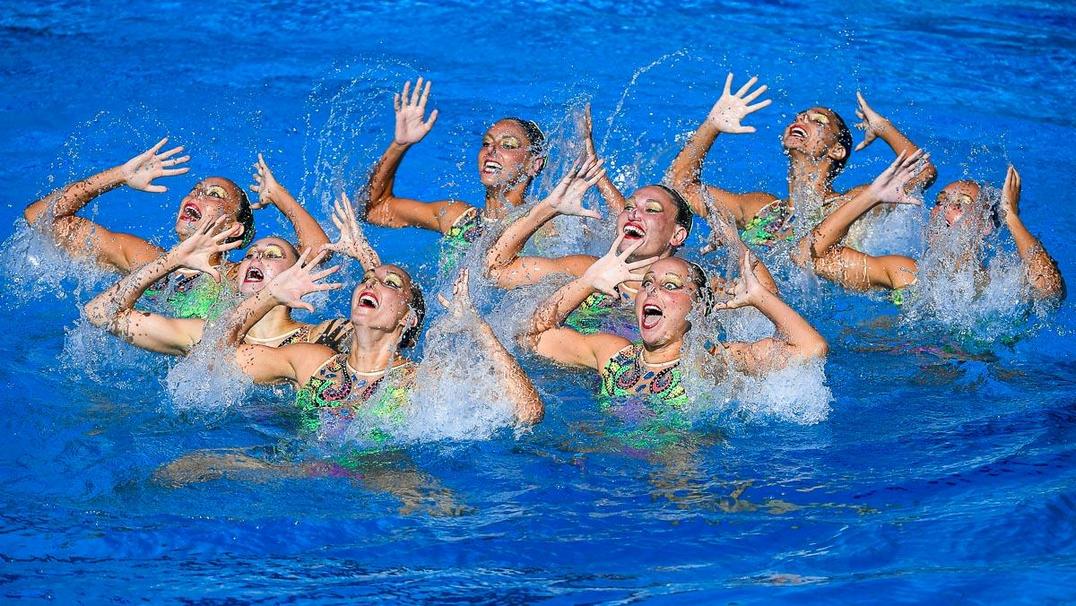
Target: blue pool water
point(932, 477)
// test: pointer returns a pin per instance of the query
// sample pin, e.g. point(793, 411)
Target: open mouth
point(191, 213)
point(652, 314)
point(633, 231)
point(254, 275)
point(368, 300)
point(798, 132)
point(491, 167)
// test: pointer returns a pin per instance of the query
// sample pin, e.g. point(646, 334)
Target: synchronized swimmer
point(357, 364)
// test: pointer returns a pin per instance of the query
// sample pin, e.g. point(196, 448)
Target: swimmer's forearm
point(687, 166)
point(555, 310)
point(307, 230)
point(614, 200)
point(1042, 272)
point(382, 180)
point(247, 314)
point(107, 307)
point(73, 197)
point(791, 327)
point(526, 401)
point(507, 248)
point(901, 144)
point(834, 227)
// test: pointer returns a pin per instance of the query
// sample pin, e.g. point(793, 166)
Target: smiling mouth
point(491, 167)
point(798, 131)
point(652, 314)
point(633, 231)
point(191, 213)
point(254, 275)
point(368, 300)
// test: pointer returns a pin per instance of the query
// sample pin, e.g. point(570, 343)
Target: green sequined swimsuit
point(465, 230)
point(771, 224)
point(649, 401)
point(337, 388)
point(196, 296)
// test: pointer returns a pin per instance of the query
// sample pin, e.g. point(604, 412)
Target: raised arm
point(352, 241)
point(384, 207)
point(1042, 273)
point(514, 382)
point(849, 267)
point(85, 239)
point(287, 288)
point(612, 196)
point(874, 126)
point(723, 234)
point(794, 337)
point(503, 263)
point(271, 192)
point(546, 335)
point(684, 174)
point(113, 309)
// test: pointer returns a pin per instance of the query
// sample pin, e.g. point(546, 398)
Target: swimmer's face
point(505, 158)
point(265, 259)
point(382, 300)
point(661, 307)
point(650, 215)
point(814, 132)
point(955, 200)
point(213, 197)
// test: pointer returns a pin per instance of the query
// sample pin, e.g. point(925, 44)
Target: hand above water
point(140, 171)
point(209, 239)
point(299, 280)
point(613, 269)
point(891, 184)
point(730, 110)
point(744, 291)
point(265, 185)
point(410, 108)
point(461, 306)
point(872, 125)
point(1010, 196)
point(567, 197)
point(352, 241)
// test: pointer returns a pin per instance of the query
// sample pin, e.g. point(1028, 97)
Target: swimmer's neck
point(662, 354)
point(808, 175)
point(275, 323)
point(373, 350)
point(499, 199)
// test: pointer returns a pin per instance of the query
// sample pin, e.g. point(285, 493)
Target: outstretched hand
point(410, 109)
point(460, 306)
point(140, 171)
point(1010, 195)
point(567, 197)
point(352, 241)
point(265, 185)
point(291, 285)
point(613, 269)
point(730, 110)
point(744, 291)
point(209, 239)
point(891, 184)
point(872, 125)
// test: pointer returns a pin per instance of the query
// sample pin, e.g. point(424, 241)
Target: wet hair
point(844, 139)
point(535, 136)
point(684, 214)
point(702, 285)
point(245, 217)
point(417, 303)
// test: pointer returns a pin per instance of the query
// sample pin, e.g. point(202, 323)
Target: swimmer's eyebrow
point(820, 115)
point(655, 201)
point(394, 274)
point(670, 274)
point(274, 248)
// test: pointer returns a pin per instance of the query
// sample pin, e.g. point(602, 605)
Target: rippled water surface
point(942, 471)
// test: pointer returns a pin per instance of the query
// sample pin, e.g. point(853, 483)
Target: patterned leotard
point(337, 388)
point(648, 400)
point(196, 296)
point(771, 224)
point(465, 230)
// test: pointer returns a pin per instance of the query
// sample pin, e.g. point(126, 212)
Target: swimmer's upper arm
point(162, 334)
point(405, 212)
point(83, 238)
point(524, 271)
point(296, 362)
point(757, 357)
point(572, 348)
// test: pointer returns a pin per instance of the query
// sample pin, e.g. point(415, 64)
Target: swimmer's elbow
point(531, 413)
